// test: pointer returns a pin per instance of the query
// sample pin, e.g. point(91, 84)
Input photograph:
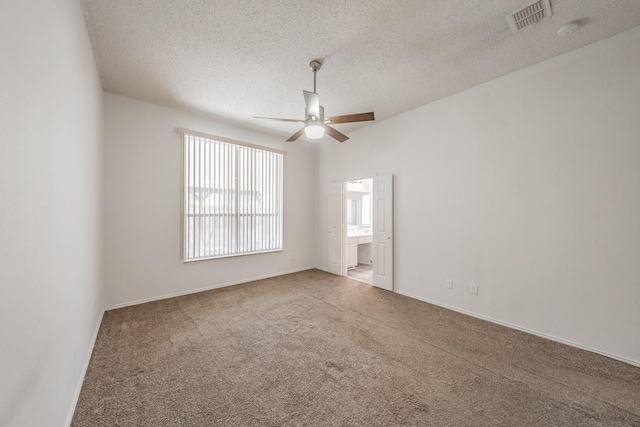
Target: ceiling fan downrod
point(315, 66)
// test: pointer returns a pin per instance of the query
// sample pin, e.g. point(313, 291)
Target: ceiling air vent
point(530, 15)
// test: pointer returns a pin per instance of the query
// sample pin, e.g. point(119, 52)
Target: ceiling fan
point(315, 123)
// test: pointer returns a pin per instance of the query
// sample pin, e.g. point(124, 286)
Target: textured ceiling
point(232, 60)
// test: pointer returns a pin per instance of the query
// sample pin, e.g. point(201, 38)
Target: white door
point(383, 232)
point(335, 228)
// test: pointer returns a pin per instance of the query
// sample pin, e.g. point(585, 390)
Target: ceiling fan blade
point(281, 120)
point(350, 118)
point(296, 135)
point(335, 134)
point(312, 101)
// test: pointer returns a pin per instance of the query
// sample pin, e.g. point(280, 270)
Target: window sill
point(190, 261)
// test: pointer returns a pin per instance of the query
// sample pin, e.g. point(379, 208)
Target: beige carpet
point(313, 349)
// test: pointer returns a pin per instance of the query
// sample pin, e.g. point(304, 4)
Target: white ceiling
point(232, 60)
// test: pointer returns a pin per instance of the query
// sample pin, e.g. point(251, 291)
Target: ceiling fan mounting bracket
point(315, 65)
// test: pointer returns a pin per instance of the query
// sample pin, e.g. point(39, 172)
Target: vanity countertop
point(358, 233)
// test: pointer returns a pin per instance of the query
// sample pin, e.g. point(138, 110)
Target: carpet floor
point(314, 349)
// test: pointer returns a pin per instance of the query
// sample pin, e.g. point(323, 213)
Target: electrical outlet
point(449, 283)
point(474, 289)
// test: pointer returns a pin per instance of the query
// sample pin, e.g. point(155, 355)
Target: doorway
point(376, 241)
point(359, 257)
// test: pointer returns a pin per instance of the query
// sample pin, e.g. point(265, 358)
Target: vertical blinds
point(232, 199)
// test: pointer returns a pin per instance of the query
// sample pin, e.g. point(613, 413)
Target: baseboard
point(322, 269)
point(206, 288)
point(520, 328)
point(87, 359)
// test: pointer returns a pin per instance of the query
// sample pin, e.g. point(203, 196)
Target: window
point(232, 198)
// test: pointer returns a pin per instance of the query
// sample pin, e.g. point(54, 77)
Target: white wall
point(50, 209)
point(528, 186)
point(142, 206)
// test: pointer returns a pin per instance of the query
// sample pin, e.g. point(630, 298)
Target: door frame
point(343, 219)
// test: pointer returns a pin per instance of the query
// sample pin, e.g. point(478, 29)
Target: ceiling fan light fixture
point(314, 130)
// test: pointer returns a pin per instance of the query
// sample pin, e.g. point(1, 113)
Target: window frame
point(237, 145)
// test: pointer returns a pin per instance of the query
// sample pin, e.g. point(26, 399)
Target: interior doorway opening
point(358, 219)
point(376, 240)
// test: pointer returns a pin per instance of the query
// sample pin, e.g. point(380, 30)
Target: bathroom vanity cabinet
point(355, 245)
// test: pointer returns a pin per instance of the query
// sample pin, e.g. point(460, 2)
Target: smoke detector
point(529, 15)
point(569, 28)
